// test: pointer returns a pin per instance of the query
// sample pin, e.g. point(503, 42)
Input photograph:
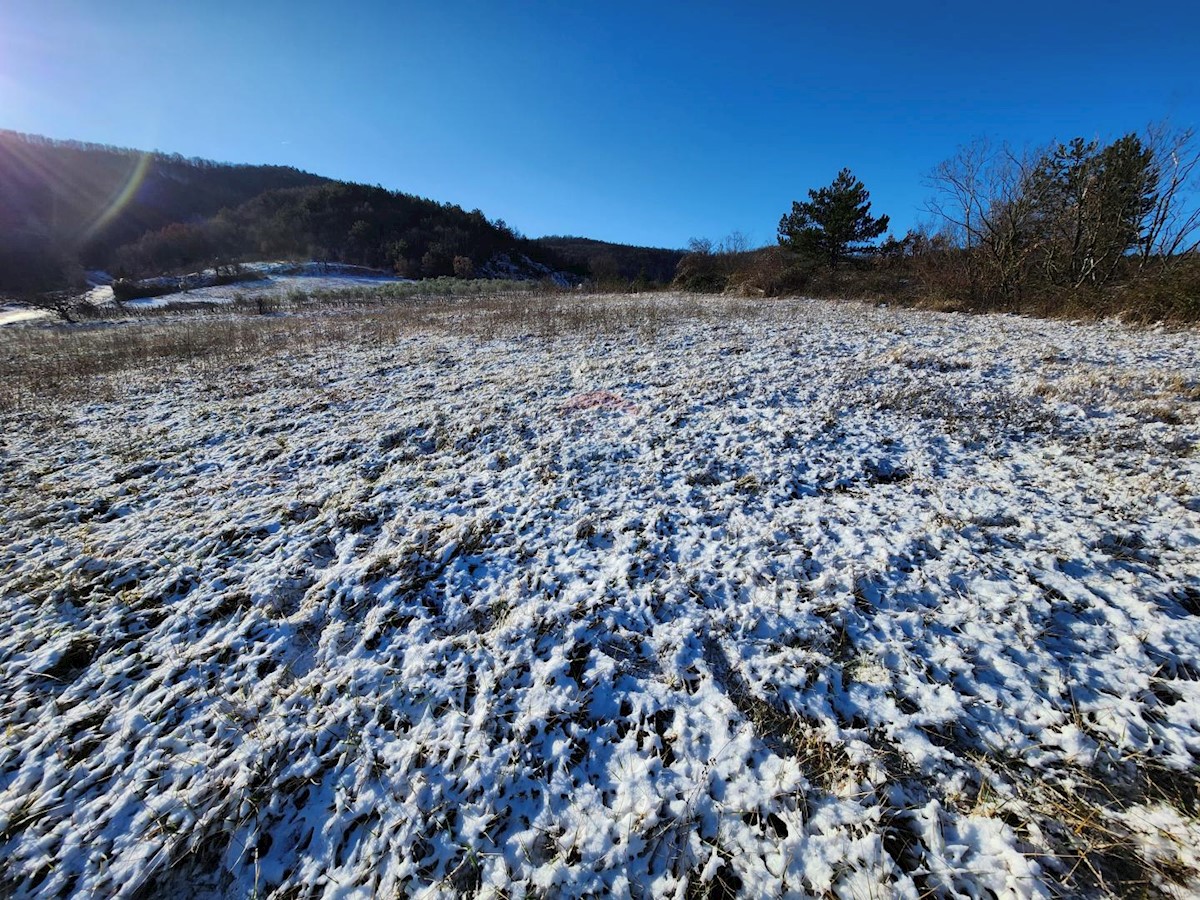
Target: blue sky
point(648, 122)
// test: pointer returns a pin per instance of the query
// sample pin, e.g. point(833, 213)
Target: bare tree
point(734, 244)
point(1173, 225)
point(986, 195)
point(709, 266)
point(64, 304)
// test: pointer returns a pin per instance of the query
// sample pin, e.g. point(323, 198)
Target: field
point(599, 596)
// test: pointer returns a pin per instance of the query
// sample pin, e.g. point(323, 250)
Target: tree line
point(1080, 225)
point(336, 222)
point(609, 266)
point(68, 206)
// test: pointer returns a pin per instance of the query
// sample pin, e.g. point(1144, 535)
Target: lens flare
point(120, 199)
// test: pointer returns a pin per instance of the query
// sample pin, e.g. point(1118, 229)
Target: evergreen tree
point(835, 222)
point(1092, 202)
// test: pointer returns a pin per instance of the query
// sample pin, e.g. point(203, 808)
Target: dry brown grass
point(1078, 819)
point(44, 363)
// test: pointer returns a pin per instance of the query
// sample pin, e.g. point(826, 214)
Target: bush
point(698, 275)
point(129, 289)
point(1171, 295)
point(774, 271)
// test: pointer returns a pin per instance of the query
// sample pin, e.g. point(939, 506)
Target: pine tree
point(1092, 202)
point(835, 222)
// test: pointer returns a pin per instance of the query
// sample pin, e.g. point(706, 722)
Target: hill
point(67, 206)
point(606, 262)
point(346, 223)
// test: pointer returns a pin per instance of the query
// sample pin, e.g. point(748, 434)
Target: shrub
point(130, 289)
point(1171, 294)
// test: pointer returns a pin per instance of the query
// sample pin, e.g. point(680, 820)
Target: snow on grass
point(266, 281)
point(12, 315)
point(790, 599)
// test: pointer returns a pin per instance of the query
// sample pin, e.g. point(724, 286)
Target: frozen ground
point(796, 599)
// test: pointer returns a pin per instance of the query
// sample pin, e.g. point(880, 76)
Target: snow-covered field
point(781, 599)
point(272, 281)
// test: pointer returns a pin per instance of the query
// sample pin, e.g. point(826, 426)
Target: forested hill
point(606, 262)
point(348, 223)
point(66, 206)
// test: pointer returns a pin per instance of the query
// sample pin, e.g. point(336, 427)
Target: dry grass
point(43, 363)
point(1073, 820)
point(1080, 817)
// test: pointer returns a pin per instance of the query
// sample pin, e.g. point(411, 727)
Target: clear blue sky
point(647, 122)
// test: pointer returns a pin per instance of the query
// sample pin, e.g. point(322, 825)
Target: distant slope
point(604, 261)
point(65, 204)
point(347, 223)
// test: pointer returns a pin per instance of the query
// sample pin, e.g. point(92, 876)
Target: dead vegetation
point(1125, 826)
point(39, 363)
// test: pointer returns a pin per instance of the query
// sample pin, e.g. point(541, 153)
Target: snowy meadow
point(573, 596)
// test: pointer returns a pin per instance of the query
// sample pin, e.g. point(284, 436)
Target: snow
point(11, 315)
point(794, 598)
point(274, 280)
